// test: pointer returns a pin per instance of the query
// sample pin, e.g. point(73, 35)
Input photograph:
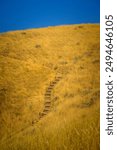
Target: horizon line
point(40, 27)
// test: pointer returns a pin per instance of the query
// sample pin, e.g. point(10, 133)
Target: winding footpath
point(48, 101)
point(48, 98)
point(47, 108)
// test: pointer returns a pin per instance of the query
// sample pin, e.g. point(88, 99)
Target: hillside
point(55, 65)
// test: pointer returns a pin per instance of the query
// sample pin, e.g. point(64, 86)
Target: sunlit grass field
point(29, 61)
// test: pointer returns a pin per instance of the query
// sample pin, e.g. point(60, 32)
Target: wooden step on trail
point(57, 80)
point(47, 91)
point(46, 110)
point(47, 103)
point(52, 84)
point(47, 94)
point(58, 77)
point(47, 106)
point(49, 88)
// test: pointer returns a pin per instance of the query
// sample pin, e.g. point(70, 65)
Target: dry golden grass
point(29, 61)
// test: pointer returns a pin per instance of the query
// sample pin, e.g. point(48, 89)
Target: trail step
point(45, 110)
point(47, 94)
point(51, 84)
point(57, 80)
point(58, 77)
point(47, 106)
point(54, 82)
point(47, 102)
point(49, 88)
point(48, 91)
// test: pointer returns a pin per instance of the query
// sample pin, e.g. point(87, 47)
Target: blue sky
point(23, 14)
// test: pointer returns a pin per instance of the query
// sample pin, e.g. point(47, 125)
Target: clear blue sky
point(23, 14)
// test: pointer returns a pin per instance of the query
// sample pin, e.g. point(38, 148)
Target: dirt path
point(48, 98)
point(47, 108)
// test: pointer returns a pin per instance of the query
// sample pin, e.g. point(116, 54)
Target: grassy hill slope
point(29, 61)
